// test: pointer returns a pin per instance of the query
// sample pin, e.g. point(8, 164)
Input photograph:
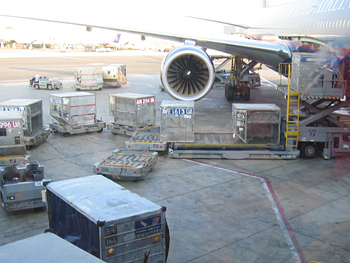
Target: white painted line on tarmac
point(277, 208)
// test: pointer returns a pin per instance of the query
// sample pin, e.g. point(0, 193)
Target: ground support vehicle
point(32, 115)
point(45, 83)
point(126, 165)
point(317, 93)
point(147, 139)
point(74, 113)
point(114, 75)
point(21, 179)
point(256, 135)
point(110, 222)
point(86, 79)
point(47, 247)
point(130, 112)
point(21, 186)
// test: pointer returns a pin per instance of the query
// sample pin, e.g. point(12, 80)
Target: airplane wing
point(187, 72)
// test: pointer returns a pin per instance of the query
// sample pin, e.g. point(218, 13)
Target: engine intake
point(187, 73)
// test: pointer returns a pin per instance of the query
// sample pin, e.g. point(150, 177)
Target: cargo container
point(86, 79)
point(12, 148)
point(130, 111)
point(177, 121)
point(114, 75)
point(43, 248)
point(74, 113)
point(107, 220)
point(32, 116)
point(256, 123)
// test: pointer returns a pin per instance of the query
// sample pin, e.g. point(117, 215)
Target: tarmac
point(218, 210)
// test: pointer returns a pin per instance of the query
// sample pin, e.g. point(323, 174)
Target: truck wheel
point(308, 150)
point(49, 86)
point(245, 92)
point(36, 86)
point(229, 92)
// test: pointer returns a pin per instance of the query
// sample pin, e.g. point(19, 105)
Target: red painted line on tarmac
point(296, 247)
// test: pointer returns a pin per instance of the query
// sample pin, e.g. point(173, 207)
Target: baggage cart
point(130, 111)
point(74, 113)
point(126, 165)
point(110, 222)
point(21, 186)
point(177, 121)
point(32, 115)
point(86, 79)
point(47, 247)
point(114, 75)
point(147, 139)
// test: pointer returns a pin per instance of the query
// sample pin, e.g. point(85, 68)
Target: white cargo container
point(114, 75)
point(32, 115)
point(86, 79)
point(177, 121)
point(131, 111)
point(43, 248)
point(109, 221)
point(74, 112)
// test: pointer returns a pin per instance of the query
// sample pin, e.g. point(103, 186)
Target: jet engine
point(187, 73)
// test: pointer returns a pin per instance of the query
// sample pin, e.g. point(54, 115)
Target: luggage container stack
point(32, 115)
point(86, 79)
point(74, 113)
point(127, 165)
point(109, 221)
point(130, 112)
point(114, 75)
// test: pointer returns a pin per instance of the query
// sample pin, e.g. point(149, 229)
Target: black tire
point(36, 86)
point(229, 92)
point(245, 92)
point(49, 86)
point(308, 150)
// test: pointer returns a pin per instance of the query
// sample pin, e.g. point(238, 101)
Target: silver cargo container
point(114, 75)
point(109, 221)
point(86, 79)
point(131, 111)
point(256, 124)
point(12, 148)
point(43, 248)
point(32, 115)
point(75, 112)
point(177, 121)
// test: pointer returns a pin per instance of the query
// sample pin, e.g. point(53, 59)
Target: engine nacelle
point(187, 73)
